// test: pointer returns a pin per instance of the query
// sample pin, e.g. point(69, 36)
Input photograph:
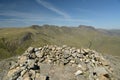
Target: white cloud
point(52, 8)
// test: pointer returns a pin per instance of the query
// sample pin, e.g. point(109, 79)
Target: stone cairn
point(88, 62)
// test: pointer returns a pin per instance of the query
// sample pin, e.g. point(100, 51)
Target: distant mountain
point(86, 27)
point(115, 31)
point(13, 41)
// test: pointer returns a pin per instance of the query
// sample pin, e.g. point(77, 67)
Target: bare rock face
point(60, 63)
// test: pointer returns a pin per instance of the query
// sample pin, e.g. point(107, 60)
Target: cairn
point(88, 64)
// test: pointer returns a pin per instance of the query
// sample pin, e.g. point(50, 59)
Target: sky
point(98, 13)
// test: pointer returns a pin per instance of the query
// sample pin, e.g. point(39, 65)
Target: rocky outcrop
point(60, 63)
point(25, 37)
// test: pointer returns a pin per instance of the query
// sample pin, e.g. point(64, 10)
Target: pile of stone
point(88, 63)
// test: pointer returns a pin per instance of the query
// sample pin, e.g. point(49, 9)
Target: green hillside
point(13, 41)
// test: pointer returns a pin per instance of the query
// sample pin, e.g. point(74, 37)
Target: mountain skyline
point(98, 13)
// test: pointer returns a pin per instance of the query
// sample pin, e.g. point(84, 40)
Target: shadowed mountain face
point(13, 41)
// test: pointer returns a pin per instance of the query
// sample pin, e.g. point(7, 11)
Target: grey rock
point(66, 56)
point(100, 71)
point(74, 54)
point(65, 61)
point(16, 75)
point(31, 63)
point(30, 50)
point(23, 72)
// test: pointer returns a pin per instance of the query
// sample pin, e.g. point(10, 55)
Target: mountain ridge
point(13, 41)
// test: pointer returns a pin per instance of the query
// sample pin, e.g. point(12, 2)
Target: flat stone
point(74, 54)
point(100, 71)
point(86, 50)
point(32, 73)
point(16, 75)
point(23, 72)
point(11, 72)
point(105, 63)
point(31, 63)
point(22, 59)
point(37, 76)
point(72, 61)
point(66, 56)
point(65, 61)
point(79, 55)
point(79, 72)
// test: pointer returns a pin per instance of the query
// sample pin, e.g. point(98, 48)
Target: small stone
point(93, 60)
point(86, 50)
point(79, 55)
point(37, 76)
point(37, 53)
point(77, 60)
point(65, 61)
point(78, 50)
point(22, 59)
point(19, 78)
point(40, 48)
point(105, 63)
point(49, 61)
point(30, 50)
point(40, 54)
point(36, 49)
point(102, 77)
point(81, 51)
point(64, 46)
point(43, 77)
point(74, 54)
point(79, 72)
point(31, 63)
point(32, 73)
point(14, 65)
point(100, 71)
point(66, 56)
point(26, 76)
point(11, 72)
point(16, 75)
point(72, 61)
point(87, 61)
point(32, 56)
point(23, 72)
point(79, 66)
point(41, 59)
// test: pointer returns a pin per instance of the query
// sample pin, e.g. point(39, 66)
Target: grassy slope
point(77, 37)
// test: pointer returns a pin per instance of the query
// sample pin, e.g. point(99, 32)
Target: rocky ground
point(60, 63)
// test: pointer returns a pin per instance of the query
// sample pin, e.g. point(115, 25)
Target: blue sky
point(98, 13)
